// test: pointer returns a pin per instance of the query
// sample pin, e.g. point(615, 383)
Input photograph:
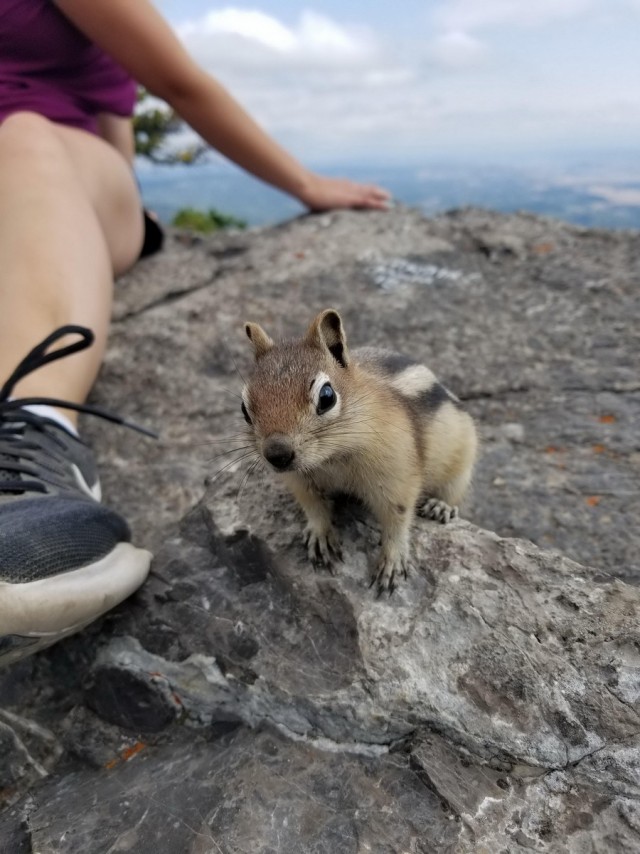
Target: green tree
point(153, 125)
point(206, 221)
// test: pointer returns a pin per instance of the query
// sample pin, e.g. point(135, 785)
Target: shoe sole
point(35, 614)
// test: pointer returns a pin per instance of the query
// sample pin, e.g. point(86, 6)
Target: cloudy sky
point(369, 79)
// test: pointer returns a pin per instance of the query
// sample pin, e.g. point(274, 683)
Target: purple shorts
point(48, 66)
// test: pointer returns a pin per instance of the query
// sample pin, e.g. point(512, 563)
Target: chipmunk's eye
point(245, 413)
point(326, 399)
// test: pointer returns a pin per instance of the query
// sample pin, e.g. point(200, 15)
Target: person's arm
point(138, 37)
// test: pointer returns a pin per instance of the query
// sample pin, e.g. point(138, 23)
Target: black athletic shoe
point(64, 558)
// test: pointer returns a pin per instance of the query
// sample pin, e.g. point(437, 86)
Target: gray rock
point(243, 702)
point(15, 758)
point(253, 791)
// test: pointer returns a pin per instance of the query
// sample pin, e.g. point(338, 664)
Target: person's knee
point(55, 156)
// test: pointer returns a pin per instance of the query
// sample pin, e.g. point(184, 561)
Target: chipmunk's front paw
point(438, 510)
point(323, 547)
point(386, 572)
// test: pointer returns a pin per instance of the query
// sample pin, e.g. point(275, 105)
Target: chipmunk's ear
point(327, 331)
point(259, 338)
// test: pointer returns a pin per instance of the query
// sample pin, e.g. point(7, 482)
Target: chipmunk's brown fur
point(372, 423)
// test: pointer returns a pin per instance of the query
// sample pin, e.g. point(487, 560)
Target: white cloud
point(394, 77)
point(252, 38)
point(319, 86)
point(476, 14)
point(251, 24)
point(458, 49)
point(328, 90)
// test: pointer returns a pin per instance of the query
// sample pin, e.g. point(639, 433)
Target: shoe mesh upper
point(50, 523)
point(43, 537)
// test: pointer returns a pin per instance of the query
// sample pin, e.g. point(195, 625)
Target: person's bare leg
point(71, 220)
point(118, 132)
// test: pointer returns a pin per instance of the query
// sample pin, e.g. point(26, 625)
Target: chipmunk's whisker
point(235, 394)
point(227, 466)
point(220, 440)
point(245, 480)
point(227, 452)
point(235, 364)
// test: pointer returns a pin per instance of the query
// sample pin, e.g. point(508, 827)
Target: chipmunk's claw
point(387, 572)
point(323, 549)
point(380, 588)
point(438, 510)
point(336, 551)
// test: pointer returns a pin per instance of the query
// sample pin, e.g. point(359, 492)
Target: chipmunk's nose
point(278, 451)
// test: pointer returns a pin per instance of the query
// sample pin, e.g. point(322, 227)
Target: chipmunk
point(372, 423)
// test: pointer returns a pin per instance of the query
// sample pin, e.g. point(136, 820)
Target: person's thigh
point(111, 187)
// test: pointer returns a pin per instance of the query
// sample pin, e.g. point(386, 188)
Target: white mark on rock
point(397, 272)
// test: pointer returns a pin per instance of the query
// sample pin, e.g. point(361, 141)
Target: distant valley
point(599, 191)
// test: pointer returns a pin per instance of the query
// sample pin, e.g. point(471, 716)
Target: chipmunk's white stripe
point(414, 380)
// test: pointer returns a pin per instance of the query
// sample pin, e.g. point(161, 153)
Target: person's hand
point(321, 193)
